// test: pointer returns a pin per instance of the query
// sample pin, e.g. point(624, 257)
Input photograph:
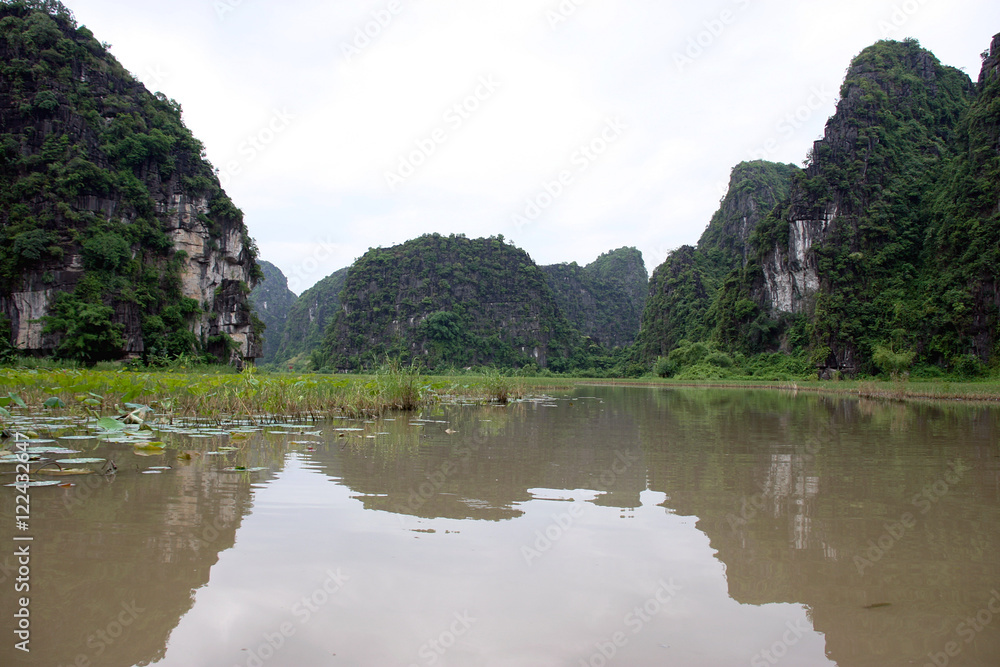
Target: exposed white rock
point(791, 275)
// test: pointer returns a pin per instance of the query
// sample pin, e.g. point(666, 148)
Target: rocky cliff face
point(854, 259)
point(448, 301)
point(113, 227)
point(849, 246)
point(682, 289)
point(272, 301)
point(603, 300)
point(310, 317)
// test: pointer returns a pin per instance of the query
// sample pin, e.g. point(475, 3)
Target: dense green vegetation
point(272, 300)
point(225, 395)
point(884, 251)
point(308, 320)
point(605, 299)
point(452, 303)
point(448, 301)
point(683, 289)
point(89, 161)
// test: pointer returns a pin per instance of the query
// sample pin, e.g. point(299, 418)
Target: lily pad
point(150, 446)
point(109, 424)
point(54, 402)
point(80, 461)
point(51, 450)
point(152, 472)
point(77, 437)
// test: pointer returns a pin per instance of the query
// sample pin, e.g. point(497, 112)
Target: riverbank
point(986, 390)
point(216, 394)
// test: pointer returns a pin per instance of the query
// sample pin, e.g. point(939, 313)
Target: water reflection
point(606, 526)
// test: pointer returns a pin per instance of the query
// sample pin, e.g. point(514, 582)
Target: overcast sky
point(572, 128)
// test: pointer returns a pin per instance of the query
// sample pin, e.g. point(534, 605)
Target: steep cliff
point(603, 300)
point(682, 289)
point(271, 300)
point(885, 250)
point(116, 239)
point(448, 301)
point(963, 247)
point(310, 317)
point(848, 251)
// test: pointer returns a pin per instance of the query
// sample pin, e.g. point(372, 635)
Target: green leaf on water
point(150, 446)
point(17, 400)
point(93, 402)
point(109, 424)
point(4, 413)
point(54, 402)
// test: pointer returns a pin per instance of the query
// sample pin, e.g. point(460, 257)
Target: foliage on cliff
point(91, 164)
point(605, 299)
point(683, 288)
point(272, 301)
point(448, 301)
point(309, 318)
point(885, 251)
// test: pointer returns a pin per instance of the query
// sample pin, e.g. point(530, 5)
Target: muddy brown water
point(601, 526)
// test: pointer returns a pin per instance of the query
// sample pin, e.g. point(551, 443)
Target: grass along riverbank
point(983, 390)
point(254, 397)
point(247, 396)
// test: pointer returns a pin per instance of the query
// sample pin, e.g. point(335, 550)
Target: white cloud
point(324, 175)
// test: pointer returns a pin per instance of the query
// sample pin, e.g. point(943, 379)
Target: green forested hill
point(683, 287)
point(272, 300)
point(884, 251)
point(605, 299)
point(961, 301)
point(116, 238)
point(310, 317)
point(448, 300)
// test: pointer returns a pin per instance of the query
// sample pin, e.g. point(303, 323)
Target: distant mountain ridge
point(605, 299)
point(272, 300)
